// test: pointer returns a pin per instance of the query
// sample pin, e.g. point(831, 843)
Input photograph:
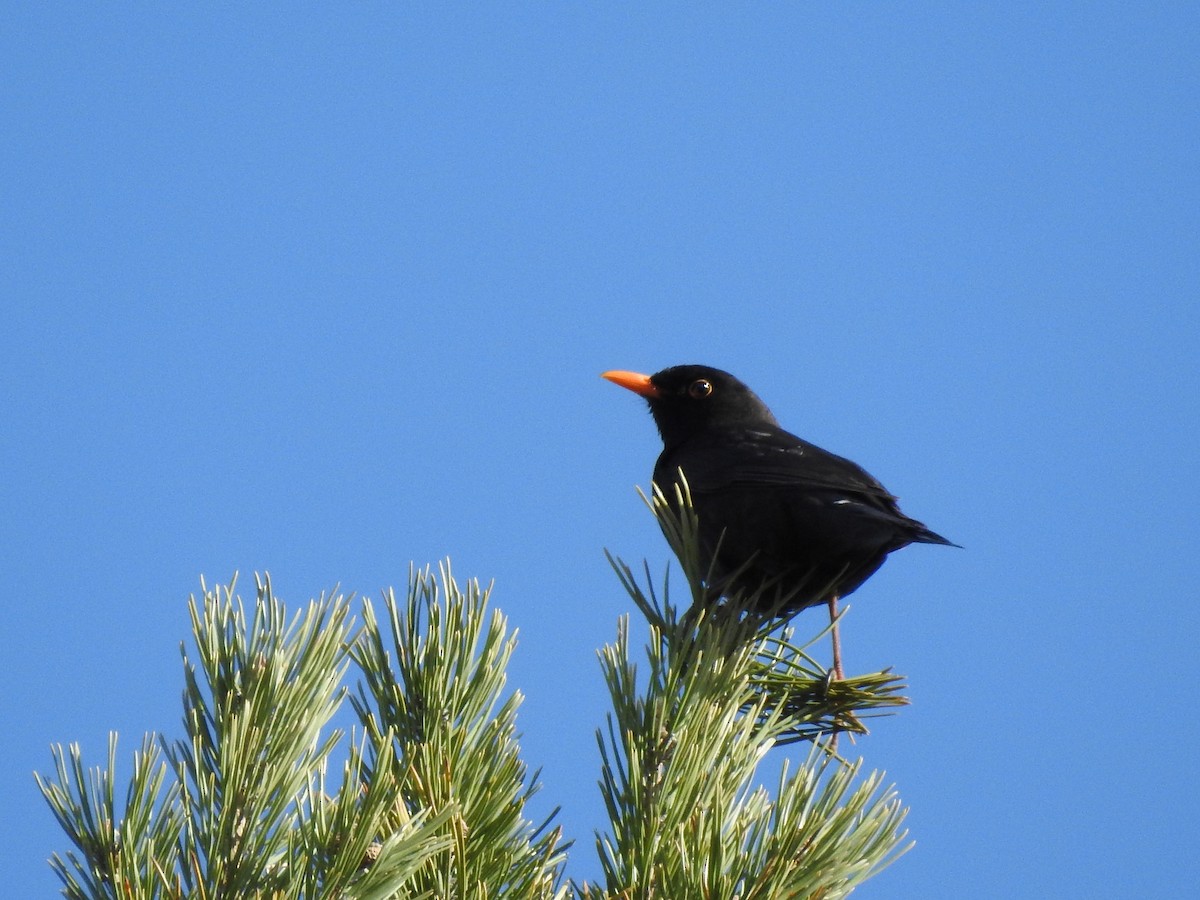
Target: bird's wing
point(772, 456)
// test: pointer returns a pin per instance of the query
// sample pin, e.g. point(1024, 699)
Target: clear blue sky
point(323, 291)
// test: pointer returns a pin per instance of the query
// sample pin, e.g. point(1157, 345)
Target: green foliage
point(430, 798)
point(433, 691)
point(680, 755)
point(429, 795)
point(122, 852)
point(255, 707)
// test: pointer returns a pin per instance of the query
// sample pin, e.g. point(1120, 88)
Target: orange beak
point(634, 381)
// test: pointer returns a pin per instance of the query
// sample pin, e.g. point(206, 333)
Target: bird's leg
point(838, 673)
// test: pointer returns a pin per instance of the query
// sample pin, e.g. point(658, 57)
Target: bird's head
point(688, 400)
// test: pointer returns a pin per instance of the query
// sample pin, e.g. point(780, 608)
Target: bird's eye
point(700, 388)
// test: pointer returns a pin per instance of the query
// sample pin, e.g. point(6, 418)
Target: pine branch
point(681, 750)
point(129, 852)
point(242, 807)
point(429, 799)
point(359, 839)
point(433, 693)
point(255, 705)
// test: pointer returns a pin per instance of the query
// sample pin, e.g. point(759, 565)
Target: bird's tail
point(923, 535)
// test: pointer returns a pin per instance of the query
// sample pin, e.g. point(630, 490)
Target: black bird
point(775, 510)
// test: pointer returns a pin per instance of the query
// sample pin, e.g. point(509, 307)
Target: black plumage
point(773, 508)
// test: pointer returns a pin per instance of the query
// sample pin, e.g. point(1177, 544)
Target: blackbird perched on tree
point(775, 511)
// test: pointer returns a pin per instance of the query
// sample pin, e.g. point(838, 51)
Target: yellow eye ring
point(700, 388)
